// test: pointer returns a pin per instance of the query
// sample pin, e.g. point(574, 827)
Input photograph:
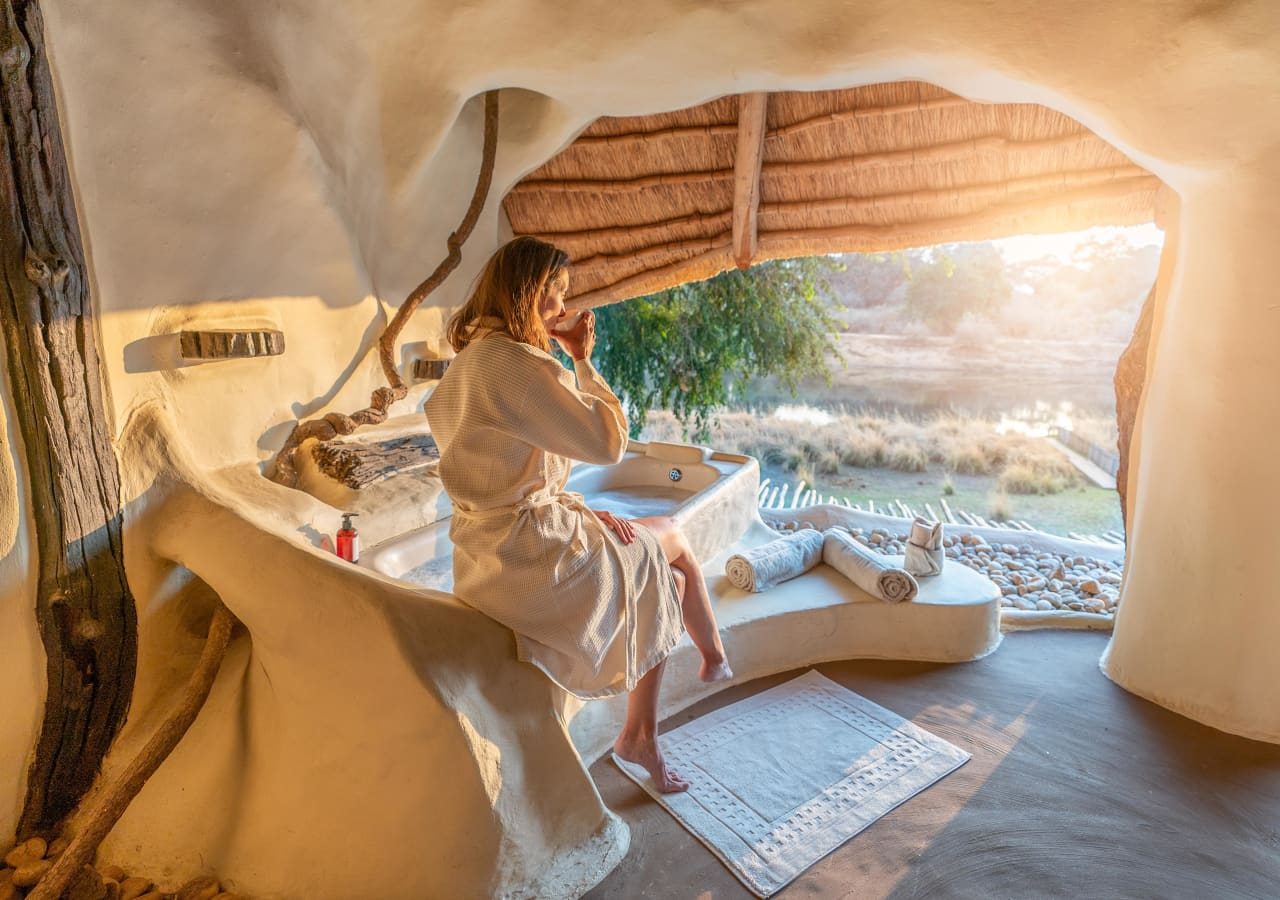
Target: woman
point(596, 601)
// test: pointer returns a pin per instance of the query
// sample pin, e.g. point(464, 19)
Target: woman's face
point(551, 304)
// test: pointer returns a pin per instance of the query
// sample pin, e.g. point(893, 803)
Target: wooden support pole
point(84, 608)
point(752, 109)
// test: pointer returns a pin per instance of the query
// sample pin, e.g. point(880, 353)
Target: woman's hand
point(623, 528)
point(579, 340)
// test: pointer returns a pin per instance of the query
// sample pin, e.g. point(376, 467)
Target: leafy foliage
point(961, 278)
point(694, 348)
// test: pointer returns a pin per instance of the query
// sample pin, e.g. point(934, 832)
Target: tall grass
point(863, 440)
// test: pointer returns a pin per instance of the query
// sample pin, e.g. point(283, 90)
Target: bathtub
point(711, 495)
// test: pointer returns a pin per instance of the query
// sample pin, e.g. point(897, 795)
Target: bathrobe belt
point(533, 501)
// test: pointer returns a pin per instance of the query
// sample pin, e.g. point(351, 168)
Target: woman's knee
point(669, 535)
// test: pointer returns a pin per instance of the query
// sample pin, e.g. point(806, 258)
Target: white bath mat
point(781, 779)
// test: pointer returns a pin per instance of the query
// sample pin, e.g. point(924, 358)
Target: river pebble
point(1028, 578)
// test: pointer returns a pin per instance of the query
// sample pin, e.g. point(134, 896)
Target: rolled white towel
point(924, 553)
point(760, 568)
point(867, 569)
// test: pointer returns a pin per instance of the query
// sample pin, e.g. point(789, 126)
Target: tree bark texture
point(84, 607)
point(1131, 375)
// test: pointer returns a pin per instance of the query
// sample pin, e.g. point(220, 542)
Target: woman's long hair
point(509, 288)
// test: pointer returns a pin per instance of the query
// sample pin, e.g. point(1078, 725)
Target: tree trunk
point(83, 604)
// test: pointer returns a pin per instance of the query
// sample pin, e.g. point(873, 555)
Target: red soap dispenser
point(349, 539)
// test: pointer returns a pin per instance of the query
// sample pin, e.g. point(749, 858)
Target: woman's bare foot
point(715, 669)
point(645, 752)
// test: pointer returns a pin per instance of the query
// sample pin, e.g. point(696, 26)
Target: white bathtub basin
point(712, 495)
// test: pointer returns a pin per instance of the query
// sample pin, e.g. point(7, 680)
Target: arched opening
point(644, 203)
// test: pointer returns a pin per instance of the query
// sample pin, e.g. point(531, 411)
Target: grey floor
point(1076, 789)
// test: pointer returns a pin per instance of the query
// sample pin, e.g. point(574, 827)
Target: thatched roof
point(643, 203)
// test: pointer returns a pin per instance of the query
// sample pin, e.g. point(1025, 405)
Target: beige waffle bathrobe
point(593, 613)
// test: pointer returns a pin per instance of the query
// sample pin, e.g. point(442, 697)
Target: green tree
point(956, 279)
point(693, 348)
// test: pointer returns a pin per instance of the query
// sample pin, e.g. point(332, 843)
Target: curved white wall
point(302, 164)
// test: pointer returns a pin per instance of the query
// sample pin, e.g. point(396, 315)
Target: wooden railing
point(777, 498)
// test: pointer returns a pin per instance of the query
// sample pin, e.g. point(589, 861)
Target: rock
point(29, 873)
point(1024, 603)
point(1009, 548)
point(115, 873)
point(8, 891)
point(1013, 564)
point(205, 887)
point(1006, 602)
point(132, 888)
point(28, 851)
point(1090, 587)
point(1076, 605)
point(1053, 597)
point(1044, 604)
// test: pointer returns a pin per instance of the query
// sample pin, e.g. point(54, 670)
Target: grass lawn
point(1085, 509)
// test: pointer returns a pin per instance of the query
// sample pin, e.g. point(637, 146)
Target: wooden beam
point(84, 608)
point(746, 174)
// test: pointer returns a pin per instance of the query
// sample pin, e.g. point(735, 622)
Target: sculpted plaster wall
point(302, 164)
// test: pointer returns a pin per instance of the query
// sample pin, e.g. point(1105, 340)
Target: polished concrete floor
point(1076, 789)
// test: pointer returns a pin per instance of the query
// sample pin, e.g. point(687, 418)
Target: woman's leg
point(695, 600)
point(638, 742)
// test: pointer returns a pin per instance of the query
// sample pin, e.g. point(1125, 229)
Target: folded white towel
point(924, 553)
point(760, 568)
point(867, 569)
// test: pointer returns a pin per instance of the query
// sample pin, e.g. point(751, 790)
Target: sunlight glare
point(1026, 247)
point(802, 413)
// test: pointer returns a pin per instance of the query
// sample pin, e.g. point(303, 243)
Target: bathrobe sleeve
point(585, 422)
